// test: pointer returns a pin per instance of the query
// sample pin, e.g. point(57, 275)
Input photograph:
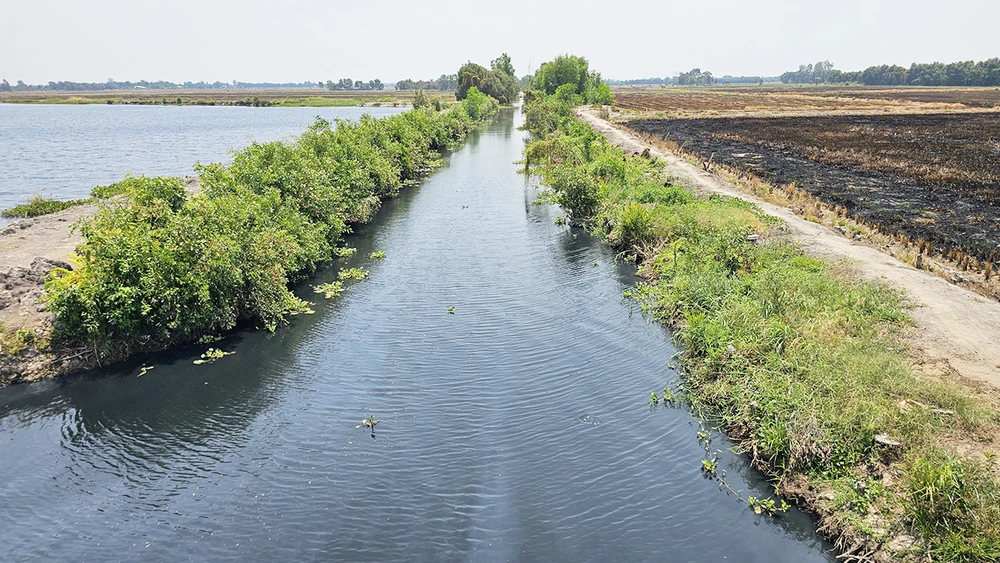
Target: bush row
point(161, 266)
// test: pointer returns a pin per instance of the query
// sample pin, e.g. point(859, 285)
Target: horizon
point(305, 40)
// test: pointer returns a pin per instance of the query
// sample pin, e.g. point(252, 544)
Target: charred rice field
point(775, 100)
point(929, 176)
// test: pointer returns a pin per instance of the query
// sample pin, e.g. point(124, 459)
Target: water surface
point(515, 429)
point(63, 151)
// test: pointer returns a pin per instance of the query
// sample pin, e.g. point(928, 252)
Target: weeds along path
point(956, 331)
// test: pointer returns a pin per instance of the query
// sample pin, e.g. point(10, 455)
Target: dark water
point(63, 151)
point(515, 429)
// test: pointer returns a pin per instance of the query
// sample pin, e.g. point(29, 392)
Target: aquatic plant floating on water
point(356, 274)
point(329, 290)
point(451, 310)
point(369, 422)
point(211, 355)
point(345, 251)
point(377, 255)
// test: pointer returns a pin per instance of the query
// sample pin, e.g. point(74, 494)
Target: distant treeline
point(695, 77)
point(158, 85)
point(348, 84)
point(444, 82)
point(342, 84)
point(965, 73)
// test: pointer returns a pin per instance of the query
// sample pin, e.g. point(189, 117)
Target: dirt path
point(955, 326)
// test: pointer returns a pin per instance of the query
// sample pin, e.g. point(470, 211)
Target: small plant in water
point(451, 310)
point(653, 399)
point(560, 220)
point(352, 274)
point(369, 422)
point(209, 339)
point(211, 355)
point(762, 505)
point(329, 290)
point(377, 255)
point(345, 251)
point(710, 465)
point(668, 396)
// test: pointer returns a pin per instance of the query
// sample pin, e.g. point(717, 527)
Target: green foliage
point(330, 290)
point(377, 255)
point(497, 82)
point(954, 506)
point(420, 100)
point(356, 274)
point(158, 267)
point(477, 104)
point(118, 188)
point(41, 205)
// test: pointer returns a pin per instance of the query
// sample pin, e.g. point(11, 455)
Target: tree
point(502, 64)
point(496, 82)
point(5, 86)
point(564, 69)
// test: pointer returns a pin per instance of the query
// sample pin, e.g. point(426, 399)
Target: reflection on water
point(516, 428)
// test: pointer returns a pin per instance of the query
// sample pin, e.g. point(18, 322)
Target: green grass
point(41, 205)
point(803, 363)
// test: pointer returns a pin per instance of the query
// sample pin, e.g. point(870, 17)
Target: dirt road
point(956, 330)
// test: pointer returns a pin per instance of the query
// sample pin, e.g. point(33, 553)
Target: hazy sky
point(298, 40)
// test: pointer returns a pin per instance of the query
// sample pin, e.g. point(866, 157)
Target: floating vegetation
point(346, 251)
point(560, 220)
point(329, 290)
point(357, 274)
point(369, 422)
point(209, 339)
point(451, 310)
point(377, 255)
point(211, 355)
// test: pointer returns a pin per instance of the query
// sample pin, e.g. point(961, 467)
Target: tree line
point(963, 73)
point(444, 82)
point(348, 84)
point(111, 84)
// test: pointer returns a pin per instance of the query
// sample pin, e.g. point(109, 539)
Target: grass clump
point(158, 266)
point(803, 363)
point(40, 205)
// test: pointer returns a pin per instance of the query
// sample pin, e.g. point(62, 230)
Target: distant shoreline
point(298, 97)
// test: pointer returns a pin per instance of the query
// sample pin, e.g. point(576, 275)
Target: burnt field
point(931, 176)
point(771, 100)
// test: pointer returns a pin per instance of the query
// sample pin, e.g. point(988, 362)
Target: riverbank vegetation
point(803, 364)
point(40, 205)
point(159, 266)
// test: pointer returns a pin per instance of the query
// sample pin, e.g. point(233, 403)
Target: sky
point(313, 40)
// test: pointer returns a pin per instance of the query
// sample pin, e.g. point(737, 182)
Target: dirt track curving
point(956, 331)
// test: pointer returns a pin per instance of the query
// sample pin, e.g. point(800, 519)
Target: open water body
point(515, 429)
point(63, 151)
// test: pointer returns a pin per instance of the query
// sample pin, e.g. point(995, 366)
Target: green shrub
point(41, 205)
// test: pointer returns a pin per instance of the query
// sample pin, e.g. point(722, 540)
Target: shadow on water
point(510, 378)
